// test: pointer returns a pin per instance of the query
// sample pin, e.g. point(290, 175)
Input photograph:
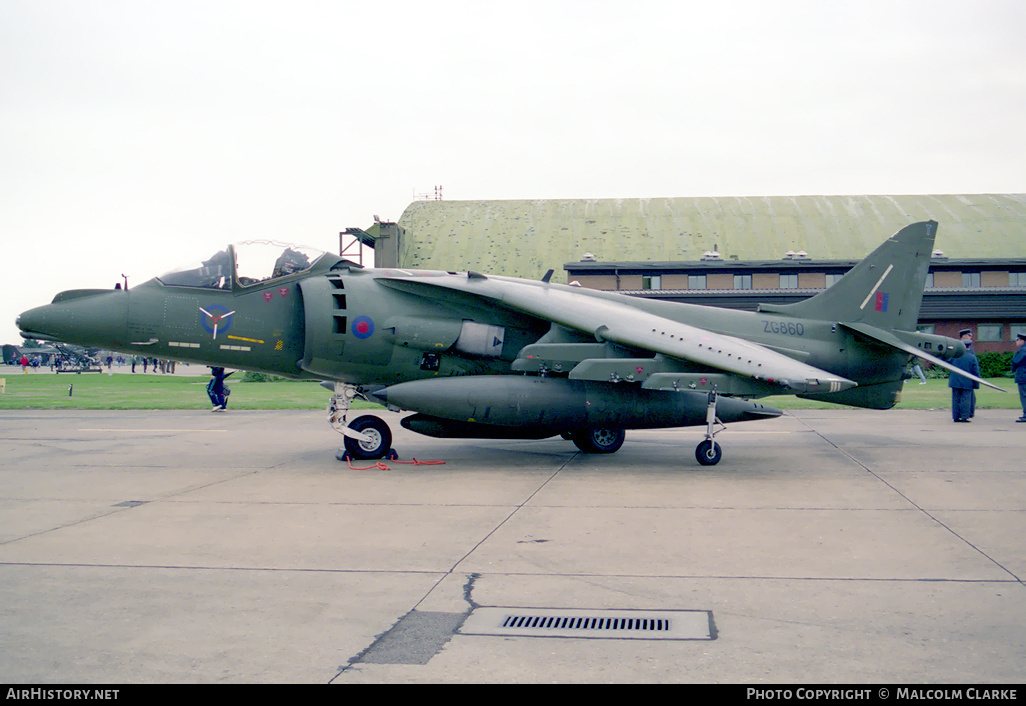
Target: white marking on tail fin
point(876, 286)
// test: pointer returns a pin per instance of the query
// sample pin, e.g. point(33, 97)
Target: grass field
point(139, 391)
point(128, 391)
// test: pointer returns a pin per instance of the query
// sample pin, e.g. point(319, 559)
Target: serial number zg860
point(787, 328)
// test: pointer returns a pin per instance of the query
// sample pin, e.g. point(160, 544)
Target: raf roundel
point(363, 327)
point(215, 319)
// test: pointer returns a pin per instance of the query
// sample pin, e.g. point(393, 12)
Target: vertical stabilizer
point(884, 290)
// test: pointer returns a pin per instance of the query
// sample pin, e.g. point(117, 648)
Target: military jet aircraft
point(479, 356)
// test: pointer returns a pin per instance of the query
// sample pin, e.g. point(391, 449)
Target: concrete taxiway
point(827, 546)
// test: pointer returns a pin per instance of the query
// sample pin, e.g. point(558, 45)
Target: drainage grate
point(584, 623)
point(602, 624)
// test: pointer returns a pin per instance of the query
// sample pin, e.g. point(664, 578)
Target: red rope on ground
point(383, 467)
point(379, 465)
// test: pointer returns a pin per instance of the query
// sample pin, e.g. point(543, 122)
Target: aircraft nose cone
point(34, 323)
point(86, 317)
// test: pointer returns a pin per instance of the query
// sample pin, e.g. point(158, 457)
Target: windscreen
point(255, 261)
point(214, 273)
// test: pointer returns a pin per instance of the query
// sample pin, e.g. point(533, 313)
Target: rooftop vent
point(938, 255)
point(792, 255)
point(712, 255)
point(588, 257)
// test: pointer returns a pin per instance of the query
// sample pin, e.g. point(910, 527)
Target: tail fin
point(884, 290)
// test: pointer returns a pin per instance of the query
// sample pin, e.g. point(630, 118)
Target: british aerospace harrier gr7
point(474, 355)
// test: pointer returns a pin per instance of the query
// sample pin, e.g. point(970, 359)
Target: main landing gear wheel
point(708, 453)
point(380, 438)
point(599, 441)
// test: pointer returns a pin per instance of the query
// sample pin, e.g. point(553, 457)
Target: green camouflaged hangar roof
point(526, 238)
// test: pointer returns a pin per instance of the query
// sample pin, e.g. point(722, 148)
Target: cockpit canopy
point(251, 262)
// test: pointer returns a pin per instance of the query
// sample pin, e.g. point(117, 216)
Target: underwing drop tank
point(538, 407)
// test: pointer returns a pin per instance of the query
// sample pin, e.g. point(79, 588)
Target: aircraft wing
point(612, 318)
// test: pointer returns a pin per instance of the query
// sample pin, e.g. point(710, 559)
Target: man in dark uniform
point(1019, 368)
point(217, 390)
point(966, 336)
point(961, 386)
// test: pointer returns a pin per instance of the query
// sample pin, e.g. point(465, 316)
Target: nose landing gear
point(366, 437)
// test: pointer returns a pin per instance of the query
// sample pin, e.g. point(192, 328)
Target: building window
point(1017, 279)
point(988, 332)
point(652, 282)
point(970, 279)
point(832, 279)
point(696, 282)
point(789, 281)
point(742, 281)
point(929, 280)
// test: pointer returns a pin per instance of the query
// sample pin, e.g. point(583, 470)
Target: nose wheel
point(366, 437)
point(377, 441)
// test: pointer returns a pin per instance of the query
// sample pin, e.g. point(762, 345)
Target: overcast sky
point(139, 135)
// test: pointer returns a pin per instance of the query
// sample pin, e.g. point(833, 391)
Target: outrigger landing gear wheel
point(708, 453)
point(599, 441)
point(380, 438)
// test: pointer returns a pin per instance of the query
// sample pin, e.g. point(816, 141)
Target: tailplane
point(884, 290)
